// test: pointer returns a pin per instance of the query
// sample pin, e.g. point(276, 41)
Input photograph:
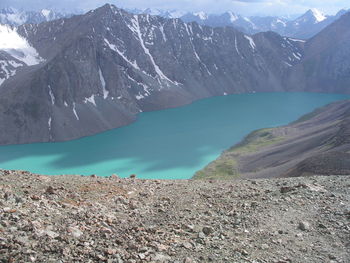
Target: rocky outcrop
point(317, 144)
point(92, 219)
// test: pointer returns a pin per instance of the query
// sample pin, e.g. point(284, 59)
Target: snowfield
point(17, 46)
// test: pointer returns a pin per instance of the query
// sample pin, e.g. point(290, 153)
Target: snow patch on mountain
point(201, 15)
point(91, 100)
point(233, 17)
point(103, 84)
point(17, 46)
point(251, 41)
point(46, 13)
point(318, 15)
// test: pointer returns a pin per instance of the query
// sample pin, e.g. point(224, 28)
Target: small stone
point(188, 260)
point(286, 189)
point(304, 226)
point(161, 258)
point(106, 230)
point(111, 251)
point(50, 190)
point(133, 176)
point(51, 234)
point(320, 225)
point(35, 197)
point(75, 232)
point(161, 247)
point(132, 205)
point(187, 245)
point(93, 176)
point(207, 230)
point(8, 210)
point(188, 228)
point(114, 177)
point(264, 246)
point(201, 235)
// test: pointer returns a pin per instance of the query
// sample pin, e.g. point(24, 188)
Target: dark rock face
point(103, 68)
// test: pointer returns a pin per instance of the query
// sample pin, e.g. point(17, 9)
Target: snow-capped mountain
point(158, 12)
point(305, 26)
point(313, 16)
point(12, 16)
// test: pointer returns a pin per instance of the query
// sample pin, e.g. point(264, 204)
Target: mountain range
point(15, 17)
point(77, 76)
point(301, 27)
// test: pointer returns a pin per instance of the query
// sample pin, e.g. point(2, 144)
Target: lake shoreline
point(172, 143)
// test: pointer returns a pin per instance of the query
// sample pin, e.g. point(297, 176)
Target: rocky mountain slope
point(99, 70)
point(90, 219)
point(326, 65)
point(317, 144)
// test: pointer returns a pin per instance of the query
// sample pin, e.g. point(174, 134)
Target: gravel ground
point(92, 219)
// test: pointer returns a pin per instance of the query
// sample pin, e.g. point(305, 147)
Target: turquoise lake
point(167, 144)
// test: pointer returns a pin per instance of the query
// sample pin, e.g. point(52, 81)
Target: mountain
point(249, 25)
point(311, 23)
point(317, 144)
point(97, 71)
point(171, 13)
point(303, 27)
point(15, 17)
point(325, 66)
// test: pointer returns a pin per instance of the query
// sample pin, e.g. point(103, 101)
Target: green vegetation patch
point(255, 141)
point(226, 166)
point(222, 168)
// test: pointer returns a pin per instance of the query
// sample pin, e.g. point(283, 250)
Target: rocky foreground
point(92, 219)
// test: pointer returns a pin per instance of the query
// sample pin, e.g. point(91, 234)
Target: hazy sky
point(245, 7)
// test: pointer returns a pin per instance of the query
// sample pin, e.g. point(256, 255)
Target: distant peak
point(109, 6)
point(233, 16)
point(318, 15)
point(46, 12)
point(202, 15)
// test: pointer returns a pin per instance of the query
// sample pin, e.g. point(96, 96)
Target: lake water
point(167, 144)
